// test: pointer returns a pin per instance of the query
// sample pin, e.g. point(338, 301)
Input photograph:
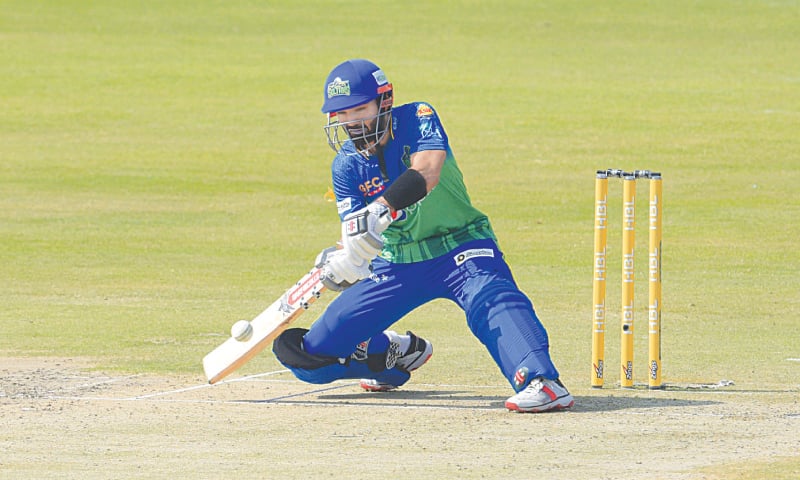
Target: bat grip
point(387, 219)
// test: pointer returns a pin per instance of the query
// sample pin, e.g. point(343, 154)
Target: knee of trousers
point(504, 320)
point(288, 349)
point(500, 298)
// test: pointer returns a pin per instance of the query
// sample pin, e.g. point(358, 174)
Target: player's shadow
point(453, 399)
point(465, 399)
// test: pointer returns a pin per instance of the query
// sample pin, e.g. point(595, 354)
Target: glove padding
point(340, 270)
point(362, 229)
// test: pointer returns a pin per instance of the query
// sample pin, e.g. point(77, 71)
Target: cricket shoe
point(541, 395)
point(416, 354)
point(372, 385)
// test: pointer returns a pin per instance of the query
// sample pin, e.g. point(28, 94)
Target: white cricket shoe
point(541, 395)
point(418, 352)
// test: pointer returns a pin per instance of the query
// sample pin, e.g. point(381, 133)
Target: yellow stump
point(654, 283)
point(628, 243)
point(599, 277)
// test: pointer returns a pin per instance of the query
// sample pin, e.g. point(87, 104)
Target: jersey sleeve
point(431, 134)
point(345, 187)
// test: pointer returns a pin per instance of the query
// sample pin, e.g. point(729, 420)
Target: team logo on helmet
point(338, 87)
point(380, 77)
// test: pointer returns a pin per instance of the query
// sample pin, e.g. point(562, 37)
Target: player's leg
point(360, 316)
point(410, 352)
point(503, 319)
point(325, 369)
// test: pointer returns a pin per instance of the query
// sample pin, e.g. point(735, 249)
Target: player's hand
point(340, 270)
point(361, 230)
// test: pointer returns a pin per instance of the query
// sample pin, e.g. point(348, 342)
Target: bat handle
point(387, 219)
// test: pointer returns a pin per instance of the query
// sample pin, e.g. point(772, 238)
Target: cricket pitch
point(65, 421)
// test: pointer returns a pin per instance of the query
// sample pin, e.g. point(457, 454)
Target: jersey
point(435, 225)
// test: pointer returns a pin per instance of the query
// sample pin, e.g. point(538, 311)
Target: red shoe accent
point(423, 363)
point(549, 393)
point(515, 408)
point(380, 387)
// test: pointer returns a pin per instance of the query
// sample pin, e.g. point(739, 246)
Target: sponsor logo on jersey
point(372, 187)
point(406, 156)
point(424, 110)
point(473, 253)
point(377, 191)
point(338, 87)
point(344, 205)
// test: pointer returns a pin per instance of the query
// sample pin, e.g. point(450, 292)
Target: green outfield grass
point(163, 165)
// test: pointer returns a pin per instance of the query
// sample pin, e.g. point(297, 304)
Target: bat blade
point(232, 354)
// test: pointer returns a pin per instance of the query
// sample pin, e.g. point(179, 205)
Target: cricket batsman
point(410, 235)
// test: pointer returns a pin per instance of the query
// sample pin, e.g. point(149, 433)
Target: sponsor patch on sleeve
point(462, 257)
point(424, 110)
point(344, 205)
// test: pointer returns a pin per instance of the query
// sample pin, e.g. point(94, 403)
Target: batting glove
point(340, 270)
point(361, 230)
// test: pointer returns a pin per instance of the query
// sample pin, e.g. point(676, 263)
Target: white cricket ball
point(242, 330)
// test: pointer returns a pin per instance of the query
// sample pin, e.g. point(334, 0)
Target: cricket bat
point(232, 354)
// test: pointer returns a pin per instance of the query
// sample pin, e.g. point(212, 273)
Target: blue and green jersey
point(435, 225)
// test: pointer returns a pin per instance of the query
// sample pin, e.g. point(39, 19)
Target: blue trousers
point(474, 276)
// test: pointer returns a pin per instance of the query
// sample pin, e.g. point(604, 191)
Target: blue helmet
point(353, 83)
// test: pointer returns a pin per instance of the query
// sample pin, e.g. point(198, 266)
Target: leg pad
point(288, 348)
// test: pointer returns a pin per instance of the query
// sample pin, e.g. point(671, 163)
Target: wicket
point(628, 283)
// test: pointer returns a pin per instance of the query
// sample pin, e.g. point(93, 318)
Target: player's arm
point(361, 242)
point(362, 229)
point(416, 182)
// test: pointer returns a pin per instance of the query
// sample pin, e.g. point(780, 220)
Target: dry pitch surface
point(61, 420)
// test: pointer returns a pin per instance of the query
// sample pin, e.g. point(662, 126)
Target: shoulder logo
point(424, 110)
point(338, 87)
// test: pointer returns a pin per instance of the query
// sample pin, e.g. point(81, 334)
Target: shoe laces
point(535, 386)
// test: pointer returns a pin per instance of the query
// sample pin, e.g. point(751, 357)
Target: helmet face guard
point(365, 133)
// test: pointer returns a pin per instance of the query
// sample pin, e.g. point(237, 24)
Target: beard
point(362, 134)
